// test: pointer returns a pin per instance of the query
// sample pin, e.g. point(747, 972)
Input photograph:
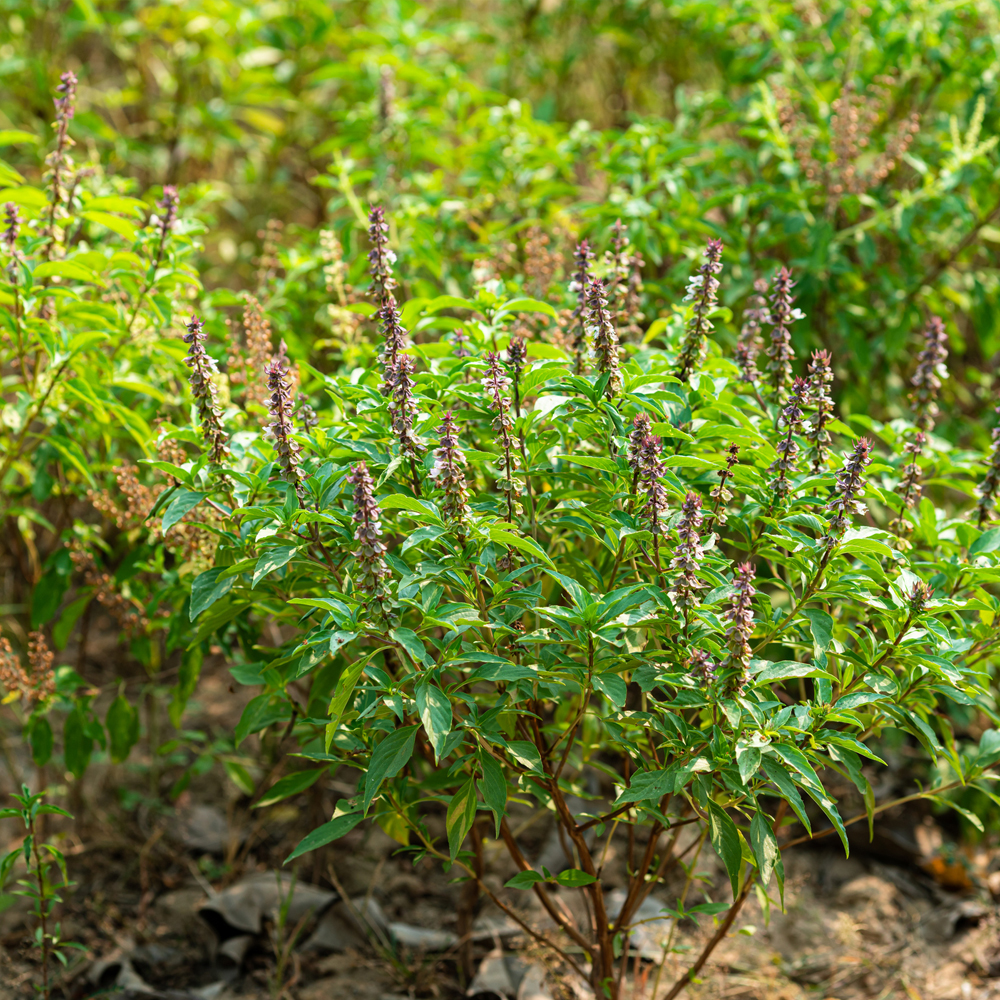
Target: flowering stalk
point(850, 483)
point(750, 342)
point(703, 288)
point(168, 203)
point(398, 386)
point(782, 314)
point(447, 472)
point(787, 447)
point(655, 507)
point(701, 667)
point(605, 343)
point(740, 616)
point(203, 367)
point(496, 383)
point(722, 494)
point(910, 483)
point(688, 556)
point(930, 374)
point(987, 489)
point(517, 358)
point(279, 405)
point(380, 261)
point(625, 268)
point(11, 231)
point(370, 553)
point(582, 256)
point(59, 162)
point(820, 378)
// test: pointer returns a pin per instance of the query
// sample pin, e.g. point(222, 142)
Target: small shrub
point(645, 578)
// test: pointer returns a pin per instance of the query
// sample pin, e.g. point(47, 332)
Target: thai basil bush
point(90, 280)
point(617, 576)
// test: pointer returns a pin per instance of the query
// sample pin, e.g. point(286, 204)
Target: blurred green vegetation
point(471, 121)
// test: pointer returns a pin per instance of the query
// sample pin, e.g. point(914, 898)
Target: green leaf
point(526, 545)
point(77, 745)
point(988, 541)
point(12, 136)
point(461, 815)
point(115, 223)
point(591, 462)
point(526, 754)
point(239, 776)
point(821, 625)
point(748, 761)
point(253, 710)
point(398, 501)
point(62, 630)
point(410, 641)
point(766, 850)
point(290, 784)
point(613, 686)
point(183, 501)
point(524, 880)
point(187, 681)
point(73, 454)
point(493, 787)
point(786, 786)
point(526, 305)
point(122, 722)
point(811, 783)
point(725, 840)
point(271, 560)
point(389, 758)
point(573, 878)
point(41, 739)
point(63, 269)
point(338, 827)
point(435, 713)
point(784, 670)
point(342, 693)
point(648, 786)
point(207, 588)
